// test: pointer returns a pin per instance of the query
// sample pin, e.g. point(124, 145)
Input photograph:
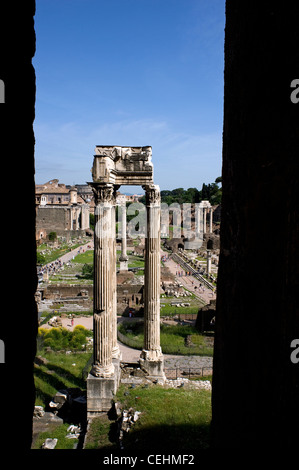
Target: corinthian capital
point(152, 194)
point(104, 193)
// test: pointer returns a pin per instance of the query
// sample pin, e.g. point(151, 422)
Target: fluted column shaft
point(152, 349)
point(103, 280)
point(123, 257)
point(204, 220)
point(115, 347)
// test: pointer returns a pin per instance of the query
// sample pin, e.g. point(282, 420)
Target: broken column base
point(123, 265)
point(100, 391)
point(154, 369)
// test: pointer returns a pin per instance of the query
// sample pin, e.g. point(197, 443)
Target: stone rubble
point(38, 412)
point(73, 432)
point(58, 400)
point(193, 384)
point(55, 322)
point(49, 443)
point(125, 420)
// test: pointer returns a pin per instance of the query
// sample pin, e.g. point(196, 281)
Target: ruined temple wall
point(53, 219)
point(61, 219)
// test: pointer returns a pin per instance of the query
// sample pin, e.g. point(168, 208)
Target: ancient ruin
point(114, 166)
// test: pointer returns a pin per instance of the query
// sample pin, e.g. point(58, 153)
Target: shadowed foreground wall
point(18, 323)
point(255, 384)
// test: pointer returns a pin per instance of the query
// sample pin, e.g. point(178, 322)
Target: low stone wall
point(64, 291)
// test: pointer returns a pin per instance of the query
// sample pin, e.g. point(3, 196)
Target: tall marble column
point(209, 256)
point(204, 220)
point(151, 358)
point(103, 280)
point(123, 259)
point(211, 220)
point(115, 348)
point(198, 220)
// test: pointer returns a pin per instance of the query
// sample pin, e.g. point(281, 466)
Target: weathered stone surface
point(50, 443)
point(257, 302)
point(122, 165)
point(38, 412)
point(100, 392)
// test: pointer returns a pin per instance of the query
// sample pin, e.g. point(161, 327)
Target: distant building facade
point(60, 209)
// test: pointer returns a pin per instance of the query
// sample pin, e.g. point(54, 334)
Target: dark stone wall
point(53, 219)
point(255, 384)
point(18, 309)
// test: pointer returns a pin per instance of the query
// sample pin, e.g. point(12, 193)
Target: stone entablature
point(122, 165)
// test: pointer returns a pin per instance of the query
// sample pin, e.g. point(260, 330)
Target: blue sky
point(132, 73)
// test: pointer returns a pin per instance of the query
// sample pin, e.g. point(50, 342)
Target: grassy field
point(61, 371)
point(50, 253)
point(85, 258)
point(172, 339)
point(59, 432)
point(171, 420)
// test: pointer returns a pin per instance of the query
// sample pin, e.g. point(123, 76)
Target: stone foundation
point(100, 392)
point(154, 369)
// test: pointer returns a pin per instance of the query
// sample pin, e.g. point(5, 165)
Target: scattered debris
point(38, 411)
point(125, 422)
point(49, 443)
point(73, 432)
point(193, 384)
point(55, 322)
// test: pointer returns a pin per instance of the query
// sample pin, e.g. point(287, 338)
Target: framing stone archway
point(114, 166)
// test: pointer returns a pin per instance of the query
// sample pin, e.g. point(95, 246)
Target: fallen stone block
point(49, 443)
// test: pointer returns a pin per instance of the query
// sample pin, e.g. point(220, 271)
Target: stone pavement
point(203, 293)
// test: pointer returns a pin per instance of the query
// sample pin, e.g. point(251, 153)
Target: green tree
point(40, 259)
point(52, 236)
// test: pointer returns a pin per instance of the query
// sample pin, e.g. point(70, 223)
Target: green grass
point(134, 261)
point(59, 432)
point(99, 434)
point(171, 419)
point(59, 373)
point(61, 370)
point(170, 310)
point(56, 253)
point(172, 339)
point(174, 420)
point(84, 258)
